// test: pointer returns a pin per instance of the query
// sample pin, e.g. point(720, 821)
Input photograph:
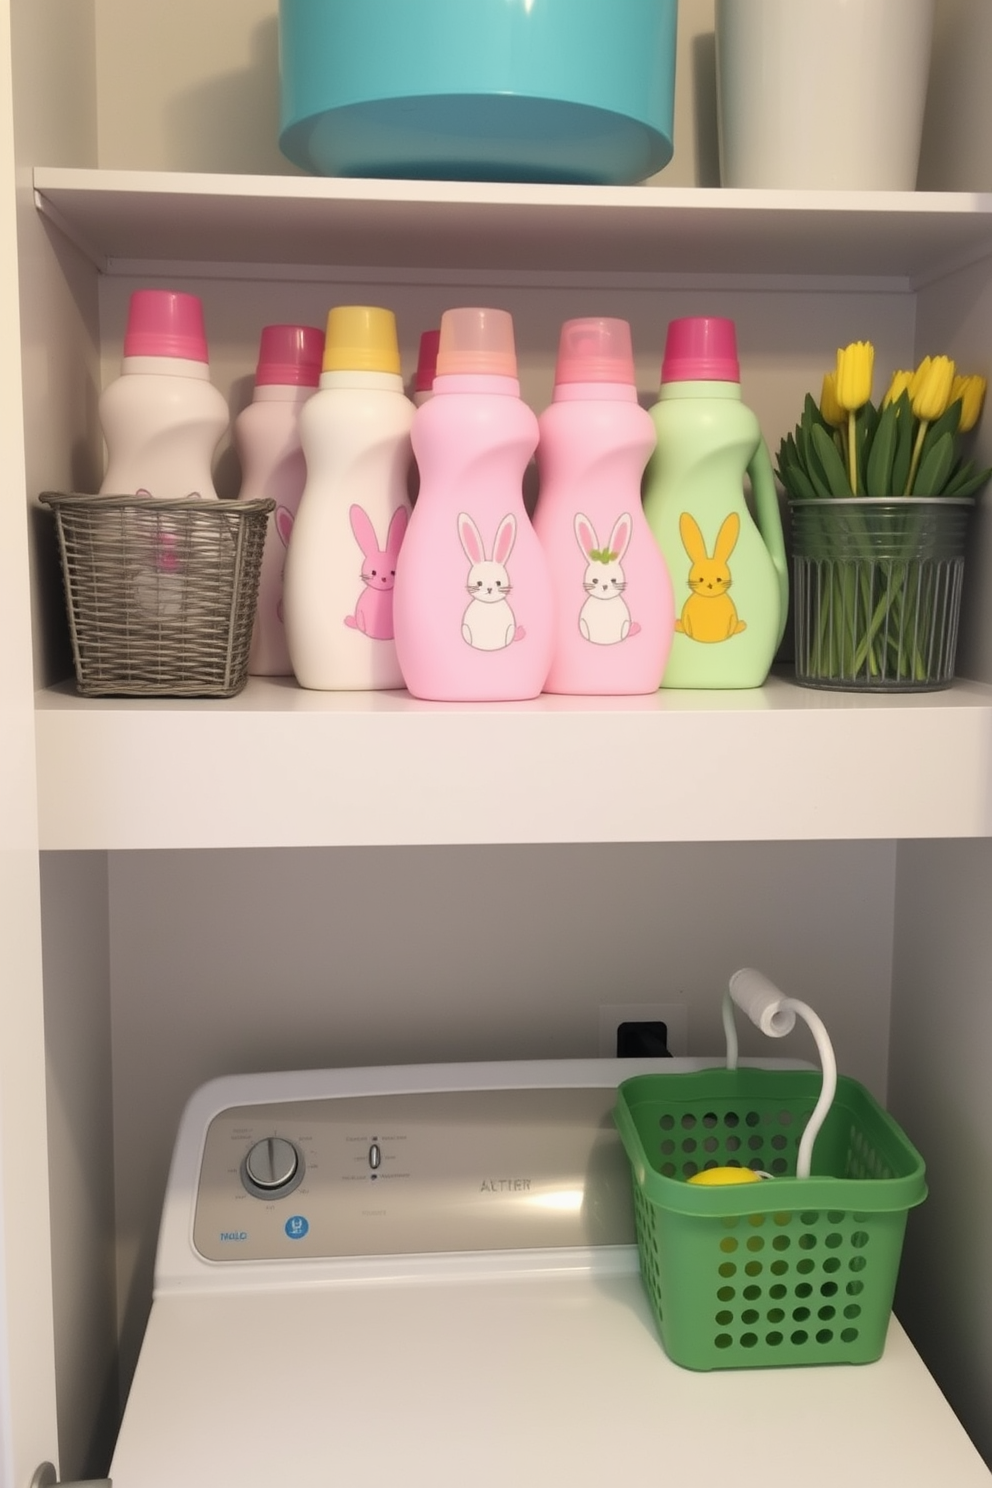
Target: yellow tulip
point(855, 364)
point(930, 389)
point(930, 394)
point(971, 391)
point(900, 384)
point(831, 410)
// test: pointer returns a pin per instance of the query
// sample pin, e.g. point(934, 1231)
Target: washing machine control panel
point(438, 1171)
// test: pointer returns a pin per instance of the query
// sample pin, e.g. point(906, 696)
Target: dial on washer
point(272, 1168)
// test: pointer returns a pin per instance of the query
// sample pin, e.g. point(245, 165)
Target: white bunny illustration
point(488, 623)
point(604, 619)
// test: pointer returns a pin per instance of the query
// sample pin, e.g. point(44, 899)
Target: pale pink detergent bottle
point(267, 439)
point(472, 607)
point(614, 610)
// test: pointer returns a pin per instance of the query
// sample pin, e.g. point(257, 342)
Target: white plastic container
point(267, 440)
point(162, 418)
point(341, 561)
point(822, 94)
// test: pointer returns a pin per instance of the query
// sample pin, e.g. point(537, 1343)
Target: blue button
point(297, 1227)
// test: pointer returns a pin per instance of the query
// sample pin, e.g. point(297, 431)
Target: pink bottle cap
point(701, 348)
point(427, 362)
point(595, 350)
point(290, 356)
point(474, 340)
point(165, 323)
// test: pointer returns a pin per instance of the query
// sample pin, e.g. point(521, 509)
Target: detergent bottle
point(267, 439)
point(162, 418)
point(343, 550)
point(728, 570)
point(614, 617)
point(423, 382)
point(473, 602)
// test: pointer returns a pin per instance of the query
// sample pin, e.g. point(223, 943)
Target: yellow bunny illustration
point(709, 614)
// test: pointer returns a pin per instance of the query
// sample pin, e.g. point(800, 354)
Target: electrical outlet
point(674, 1015)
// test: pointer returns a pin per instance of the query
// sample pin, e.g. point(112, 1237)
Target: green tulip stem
point(914, 463)
point(852, 451)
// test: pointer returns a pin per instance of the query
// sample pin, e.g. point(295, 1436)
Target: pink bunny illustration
point(374, 610)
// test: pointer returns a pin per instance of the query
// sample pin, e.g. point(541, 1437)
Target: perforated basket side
point(792, 1288)
point(160, 595)
point(673, 1125)
point(787, 1272)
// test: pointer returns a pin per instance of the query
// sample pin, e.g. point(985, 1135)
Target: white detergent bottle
point(341, 560)
point(162, 418)
point(267, 440)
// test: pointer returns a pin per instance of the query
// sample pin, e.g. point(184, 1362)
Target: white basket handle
point(775, 1014)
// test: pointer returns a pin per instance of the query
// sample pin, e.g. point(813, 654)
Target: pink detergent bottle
point(267, 439)
point(423, 382)
point(473, 608)
point(614, 608)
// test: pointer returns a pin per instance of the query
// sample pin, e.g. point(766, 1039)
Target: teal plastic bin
point(491, 90)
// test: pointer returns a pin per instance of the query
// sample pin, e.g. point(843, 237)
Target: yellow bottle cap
point(715, 1177)
point(361, 338)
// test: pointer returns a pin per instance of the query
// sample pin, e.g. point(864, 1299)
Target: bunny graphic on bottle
point(342, 557)
point(615, 615)
point(728, 567)
point(373, 614)
point(488, 623)
point(473, 606)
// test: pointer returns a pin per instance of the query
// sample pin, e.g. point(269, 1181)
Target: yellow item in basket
point(714, 1177)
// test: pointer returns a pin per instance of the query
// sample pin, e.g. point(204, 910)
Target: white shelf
point(124, 218)
point(279, 766)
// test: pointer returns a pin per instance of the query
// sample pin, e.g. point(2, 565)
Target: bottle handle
point(769, 518)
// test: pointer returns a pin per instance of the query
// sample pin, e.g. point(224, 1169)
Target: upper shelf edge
point(774, 763)
point(179, 217)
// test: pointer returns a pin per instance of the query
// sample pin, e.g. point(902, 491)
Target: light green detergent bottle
point(728, 572)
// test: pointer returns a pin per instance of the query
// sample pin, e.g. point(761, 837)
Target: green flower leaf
point(905, 431)
point(834, 474)
point(799, 485)
point(878, 472)
point(789, 465)
point(946, 424)
point(966, 481)
point(935, 467)
point(815, 472)
point(865, 424)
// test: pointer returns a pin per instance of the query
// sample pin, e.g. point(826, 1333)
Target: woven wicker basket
point(161, 595)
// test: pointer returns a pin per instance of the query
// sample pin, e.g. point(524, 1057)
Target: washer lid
point(534, 1381)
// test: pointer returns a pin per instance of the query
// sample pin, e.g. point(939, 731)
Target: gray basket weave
point(161, 595)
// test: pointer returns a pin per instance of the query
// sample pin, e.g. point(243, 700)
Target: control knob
point(272, 1167)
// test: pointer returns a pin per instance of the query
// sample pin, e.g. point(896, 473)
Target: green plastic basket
point(786, 1272)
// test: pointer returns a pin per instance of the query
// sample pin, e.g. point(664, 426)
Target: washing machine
point(427, 1277)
